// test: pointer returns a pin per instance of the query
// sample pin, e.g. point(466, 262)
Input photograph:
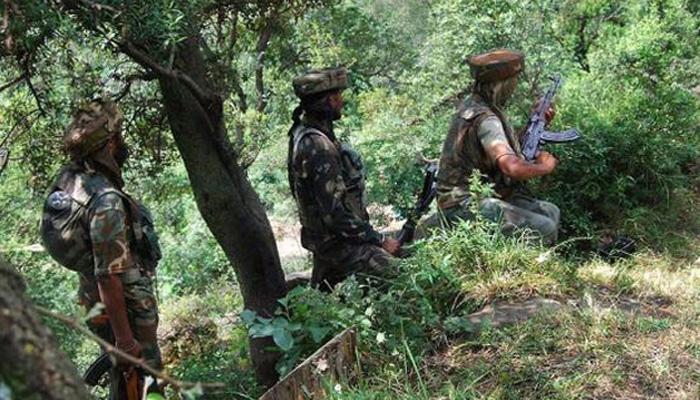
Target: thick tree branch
point(109, 348)
point(32, 366)
point(204, 97)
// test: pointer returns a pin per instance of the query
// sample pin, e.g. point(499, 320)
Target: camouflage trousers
point(340, 261)
point(142, 311)
point(517, 214)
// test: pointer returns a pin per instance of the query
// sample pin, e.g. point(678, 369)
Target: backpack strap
point(302, 133)
point(471, 113)
point(77, 190)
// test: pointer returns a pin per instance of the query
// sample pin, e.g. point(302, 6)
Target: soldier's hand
point(133, 349)
point(392, 246)
point(549, 114)
point(547, 160)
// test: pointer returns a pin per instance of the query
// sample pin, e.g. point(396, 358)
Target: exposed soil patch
point(652, 306)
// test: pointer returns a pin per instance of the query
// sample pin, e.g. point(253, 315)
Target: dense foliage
point(632, 87)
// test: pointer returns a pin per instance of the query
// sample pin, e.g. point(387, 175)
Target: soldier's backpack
point(65, 221)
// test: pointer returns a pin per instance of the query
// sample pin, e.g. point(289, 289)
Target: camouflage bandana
point(92, 126)
point(319, 81)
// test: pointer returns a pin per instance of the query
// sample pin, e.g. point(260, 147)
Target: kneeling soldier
point(327, 180)
point(481, 138)
point(92, 227)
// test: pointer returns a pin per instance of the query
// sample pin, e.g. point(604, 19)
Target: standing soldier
point(481, 138)
point(91, 226)
point(327, 180)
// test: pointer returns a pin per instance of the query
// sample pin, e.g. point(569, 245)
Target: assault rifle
point(425, 197)
point(535, 135)
point(101, 367)
point(97, 369)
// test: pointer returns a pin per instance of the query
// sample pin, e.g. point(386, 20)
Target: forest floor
point(623, 330)
point(637, 342)
point(631, 332)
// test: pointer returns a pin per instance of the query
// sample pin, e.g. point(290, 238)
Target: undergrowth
point(627, 329)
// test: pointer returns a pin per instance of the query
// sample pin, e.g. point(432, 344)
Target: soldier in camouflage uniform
point(327, 180)
point(92, 227)
point(481, 138)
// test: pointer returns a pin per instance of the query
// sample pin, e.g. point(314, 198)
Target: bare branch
point(13, 82)
point(235, 77)
point(242, 98)
point(4, 157)
point(130, 79)
point(27, 78)
point(99, 7)
point(109, 348)
point(22, 120)
point(261, 48)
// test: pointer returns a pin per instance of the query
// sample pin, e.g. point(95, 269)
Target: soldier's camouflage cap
point(92, 126)
point(319, 81)
point(496, 65)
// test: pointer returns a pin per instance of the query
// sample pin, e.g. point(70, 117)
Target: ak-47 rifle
point(101, 366)
point(97, 369)
point(535, 135)
point(425, 197)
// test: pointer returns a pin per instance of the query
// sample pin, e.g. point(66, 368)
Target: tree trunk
point(225, 198)
point(32, 366)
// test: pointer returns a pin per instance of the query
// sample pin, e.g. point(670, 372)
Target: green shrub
point(449, 276)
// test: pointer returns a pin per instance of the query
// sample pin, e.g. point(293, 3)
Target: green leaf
point(194, 392)
point(293, 327)
point(248, 316)
point(280, 323)
point(283, 339)
point(95, 311)
point(261, 330)
point(155, 396)
point(318, 333)
point(283, 302)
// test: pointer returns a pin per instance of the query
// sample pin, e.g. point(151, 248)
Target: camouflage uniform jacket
point(328, 183)
point(113, 233)
point(463, 151)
